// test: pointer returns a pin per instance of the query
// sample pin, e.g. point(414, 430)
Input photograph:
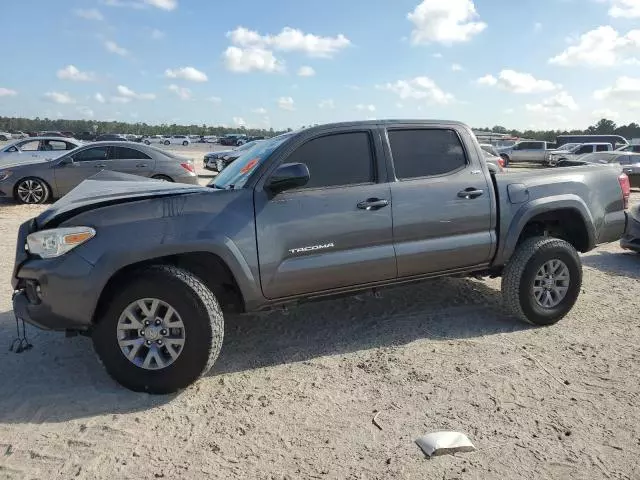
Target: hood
point(108, 187)
point(12, 160)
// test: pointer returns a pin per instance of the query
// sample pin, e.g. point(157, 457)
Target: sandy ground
point(293, 395)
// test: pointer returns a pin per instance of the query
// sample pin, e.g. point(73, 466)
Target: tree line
point(602, 127)
point(12, 124)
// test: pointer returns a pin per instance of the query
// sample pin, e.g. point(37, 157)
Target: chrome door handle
point(141, 165)
point(373, 204)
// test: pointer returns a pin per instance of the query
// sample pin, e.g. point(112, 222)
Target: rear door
point(334, 232)
point(442, 201)
point(84, 163)
point(132, 161)
point(519, 152)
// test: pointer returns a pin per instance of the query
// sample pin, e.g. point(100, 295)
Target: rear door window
point(92, 154)
point(426, 152)
point(124, 153)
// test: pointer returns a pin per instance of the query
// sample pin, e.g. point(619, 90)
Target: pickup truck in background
point(149, 269)
point(533, 151)
point(575, 152)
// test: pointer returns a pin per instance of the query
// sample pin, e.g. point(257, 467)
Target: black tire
point(39, 184)
point(167, 142)
point(164, 178)
point(185, 143)
point(147, 142)
point(200, 313)
point(519, 273)
point(506, 160)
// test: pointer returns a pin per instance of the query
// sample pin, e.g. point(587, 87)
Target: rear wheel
point(542, 281)
point(164, 178)
point(185, 143)
point(31, 191)
point(167, 142)
point(147, 142)
point(161, 331)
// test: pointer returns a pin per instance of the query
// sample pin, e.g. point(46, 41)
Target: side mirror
point(288, 176)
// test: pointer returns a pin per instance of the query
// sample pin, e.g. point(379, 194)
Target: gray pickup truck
point(149, 268)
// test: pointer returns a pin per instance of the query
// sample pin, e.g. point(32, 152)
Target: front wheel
point(31, 191)
point(542, 281)
point(167, 142)
point(160, 332)
point(185, 143)
point(147, 142)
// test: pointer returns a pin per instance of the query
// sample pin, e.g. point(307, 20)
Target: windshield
point(236, 174)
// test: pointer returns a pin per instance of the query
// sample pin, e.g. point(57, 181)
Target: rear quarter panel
point(593, 192)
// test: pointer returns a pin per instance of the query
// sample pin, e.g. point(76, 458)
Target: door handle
point(373, 204)
point(141, 165)
point(470, 192)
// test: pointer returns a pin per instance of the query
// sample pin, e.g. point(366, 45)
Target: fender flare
point(537, 207)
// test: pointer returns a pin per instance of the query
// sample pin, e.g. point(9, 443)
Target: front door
point(436, 227)
point(84, 163)
point(334, 232)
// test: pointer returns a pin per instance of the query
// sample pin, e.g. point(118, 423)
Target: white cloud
point(419, 88)
point(113, 47)
point(163, 4)
point(99, 97)
point(601, 47)
point(456, 67)
point(445, 22)
point(126, 92)
point(367, 108)
point(328, 104)
point(251, 59)
point(286, 103)
point(7, 92)
point(119, 99)
point(605, 113)
point(70, 72)
point(625, 89)
point(182, 92)
point(518, 82)
point(624, 9)
point(290, 40)
point(260, 111)
point(89, 14)
point(186, 73)
point(85, 111)
point(560, 101)
point(214, 99)
point(488, 79)
point(239, 122)
point(59, 97)
point(157, 34)
point(306, 71)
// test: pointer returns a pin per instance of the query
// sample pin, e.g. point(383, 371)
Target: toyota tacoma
point(148, 269)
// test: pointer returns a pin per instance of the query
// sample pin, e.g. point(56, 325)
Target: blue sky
point(285, 63)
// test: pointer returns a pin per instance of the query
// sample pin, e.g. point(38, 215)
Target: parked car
point(18, 135)
point(229, 157)
point(576, 152)
point(5, 136)
point(86, 136)
point(51, 133)
point(37, 147)
point(111, 137)
point(494, 161)
point(148, 140)
point(629, 162)
point(183, 140)
point(631, 238)
point(612, 139)
point(150, 269)
point(633, 148)
point(211, 139)
point(234, 139)
point(41, 179)
point(214, 160)
point(525, 151)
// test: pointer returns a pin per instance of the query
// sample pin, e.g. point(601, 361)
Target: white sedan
point(39, 147)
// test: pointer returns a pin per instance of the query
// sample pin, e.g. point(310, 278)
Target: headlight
point(4, 174)
point(58, 241)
